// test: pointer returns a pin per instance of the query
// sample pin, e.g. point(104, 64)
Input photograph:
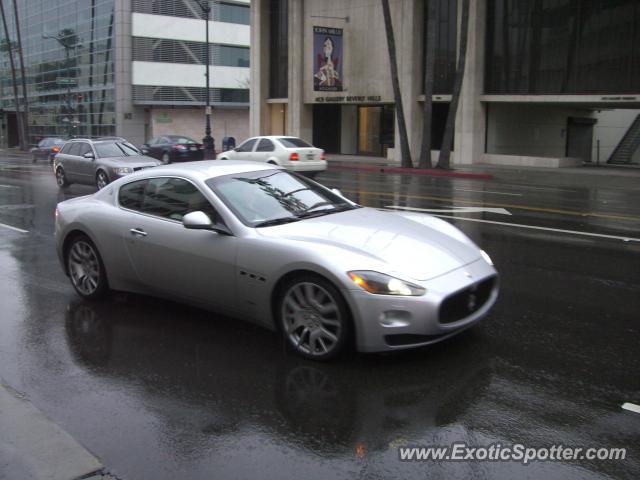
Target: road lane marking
point(503, 205)
point(547, 229)
point(499, 211)
point(631, 407)
point(8, 186)
point(13, 228)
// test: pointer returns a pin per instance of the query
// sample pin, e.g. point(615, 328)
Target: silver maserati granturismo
point(263, 244)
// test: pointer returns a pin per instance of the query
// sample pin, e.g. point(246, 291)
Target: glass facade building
point(562, 47)
point(69, 67)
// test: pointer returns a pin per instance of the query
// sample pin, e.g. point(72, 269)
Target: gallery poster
point(328, 56)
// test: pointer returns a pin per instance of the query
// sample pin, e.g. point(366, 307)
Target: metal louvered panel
point(180, 51)
point(149, 95)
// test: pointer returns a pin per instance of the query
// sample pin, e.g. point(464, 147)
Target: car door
point(196, 265)
point(86, 166)
point(264, 150)
point(245, 150)
point(71, 162)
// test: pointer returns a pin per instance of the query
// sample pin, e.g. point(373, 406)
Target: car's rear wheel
point(86, 269)
point(314, 317)
point(102, 180)
point(61, 178)
point(166, 159)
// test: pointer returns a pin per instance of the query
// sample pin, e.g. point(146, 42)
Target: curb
point(413, 171)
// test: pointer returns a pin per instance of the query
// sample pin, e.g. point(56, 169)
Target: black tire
point(298, 325)
point(86, 270)
point(102, 179)
point(61, 178)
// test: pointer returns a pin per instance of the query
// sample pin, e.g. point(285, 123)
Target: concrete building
point(132, 68)
point(546, 83)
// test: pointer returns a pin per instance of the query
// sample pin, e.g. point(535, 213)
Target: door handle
point(138, 231)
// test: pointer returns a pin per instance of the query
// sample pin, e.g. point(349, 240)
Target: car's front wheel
point(102, 180)
point(86, 269)
point(166, 159)
point(314, 317)
point(61, 178)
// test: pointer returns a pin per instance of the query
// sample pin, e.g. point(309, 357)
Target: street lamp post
point(208, 140)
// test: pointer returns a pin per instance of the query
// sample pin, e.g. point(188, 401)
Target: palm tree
point(447, 141)
point(8, 46)
point(431, 12)
point(25, 101)
point(405, 153)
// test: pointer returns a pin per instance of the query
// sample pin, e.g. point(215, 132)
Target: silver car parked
point(267, 245)
point(98, 162)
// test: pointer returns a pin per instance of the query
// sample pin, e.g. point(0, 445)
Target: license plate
point(310, 156)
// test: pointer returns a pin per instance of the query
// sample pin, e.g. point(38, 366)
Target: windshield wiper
point(309, 213)
point(276, 221)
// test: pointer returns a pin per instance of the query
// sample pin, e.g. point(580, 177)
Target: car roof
point(205, 169)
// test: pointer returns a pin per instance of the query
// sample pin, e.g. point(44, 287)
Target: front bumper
point(386, 322)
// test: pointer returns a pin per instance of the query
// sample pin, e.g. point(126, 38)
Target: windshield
point(268, 197)
point(293, 142)
point(115, 149)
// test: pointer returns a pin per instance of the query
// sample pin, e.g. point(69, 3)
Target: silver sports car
point(264, 244)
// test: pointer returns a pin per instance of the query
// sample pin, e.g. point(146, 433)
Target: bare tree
point(25, 101)
point(447, 141)
point(405, 153)
point(8, 46)
point(431, 12)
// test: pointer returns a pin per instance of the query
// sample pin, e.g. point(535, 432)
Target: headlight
point(381, 284)
point(486, 257)
point(122, 170)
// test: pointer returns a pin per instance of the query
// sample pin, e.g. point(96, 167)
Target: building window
point(589, 47)
point(232, 56)
point(181, 51)
point(233, 13)
point(279, 49)
point(446, 35)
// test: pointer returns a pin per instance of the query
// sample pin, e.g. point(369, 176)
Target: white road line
point(8, 186)
point(14, 228)
point(631, 407)
point(452, 209)
point(546, 229)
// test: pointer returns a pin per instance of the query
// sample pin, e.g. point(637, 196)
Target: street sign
point(66, 81)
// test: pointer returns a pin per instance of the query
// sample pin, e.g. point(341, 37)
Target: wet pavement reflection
point(159, 390)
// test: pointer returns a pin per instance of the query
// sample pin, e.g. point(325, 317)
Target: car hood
point(420, 246)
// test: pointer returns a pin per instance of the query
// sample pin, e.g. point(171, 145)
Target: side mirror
point(237, 149)
point(89, 155)
point(201, 221)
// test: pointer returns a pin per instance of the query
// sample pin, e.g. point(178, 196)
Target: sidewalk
point(603, 176)
point(34, 448)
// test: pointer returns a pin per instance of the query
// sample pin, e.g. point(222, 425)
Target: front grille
point(466, 302)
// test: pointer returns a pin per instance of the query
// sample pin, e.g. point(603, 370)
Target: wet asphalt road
point(158, 390)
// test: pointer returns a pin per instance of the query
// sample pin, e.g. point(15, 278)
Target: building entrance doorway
point(580, 138)
point(375, 130)
point(327, 122)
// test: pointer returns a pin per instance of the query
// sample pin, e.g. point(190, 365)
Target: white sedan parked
point(291, 153)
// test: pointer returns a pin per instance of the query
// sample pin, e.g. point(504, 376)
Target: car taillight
point(179, 147)
point(200, 147)
point(55, 149)
point(322, 156)
point(294, 157)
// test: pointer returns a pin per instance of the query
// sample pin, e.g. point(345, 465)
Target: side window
point(173, 198)
point(74, 149)
point(84, 148)
point(131, 195)
point(248, 145)
point(265, 145)
point(66, 148)
point(153, 141)
point(44, 143)
point(163, 140)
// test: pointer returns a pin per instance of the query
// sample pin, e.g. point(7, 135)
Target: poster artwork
point(328, 59)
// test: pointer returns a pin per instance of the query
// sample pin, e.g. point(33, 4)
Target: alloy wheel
point(84, 267)
point(312, 319)
point(166, 159)
point(102, 180)
point(60, 178)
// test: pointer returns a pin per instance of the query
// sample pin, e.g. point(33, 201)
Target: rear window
point(293, 142)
